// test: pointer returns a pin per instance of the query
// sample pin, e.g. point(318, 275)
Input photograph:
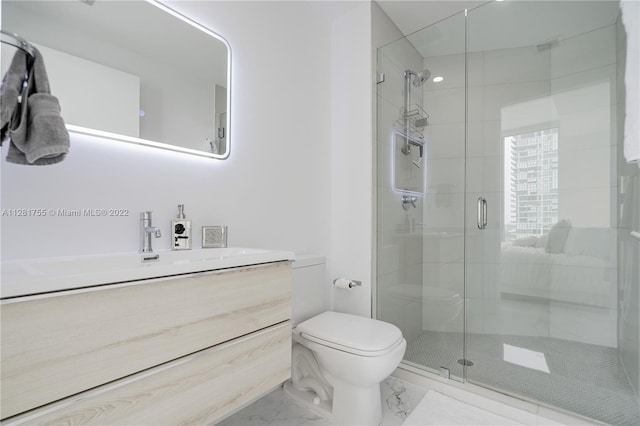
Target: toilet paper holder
point(346, 283)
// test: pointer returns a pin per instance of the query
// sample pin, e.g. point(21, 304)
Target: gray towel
point(10, 91)
point(38, 134)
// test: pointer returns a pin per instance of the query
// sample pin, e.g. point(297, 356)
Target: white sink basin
point(33, 276)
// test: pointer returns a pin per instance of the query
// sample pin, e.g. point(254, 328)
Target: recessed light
point(438, 79)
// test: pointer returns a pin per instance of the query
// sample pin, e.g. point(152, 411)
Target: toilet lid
point(351, 333)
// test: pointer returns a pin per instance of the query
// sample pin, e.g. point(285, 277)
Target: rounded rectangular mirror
point(132, 71)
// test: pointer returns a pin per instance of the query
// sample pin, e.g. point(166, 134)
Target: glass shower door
point(541, 260)
point(420, 194)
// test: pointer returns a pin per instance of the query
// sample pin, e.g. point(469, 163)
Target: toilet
point(339, 359)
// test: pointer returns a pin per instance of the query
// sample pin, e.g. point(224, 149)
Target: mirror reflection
point(131, 68)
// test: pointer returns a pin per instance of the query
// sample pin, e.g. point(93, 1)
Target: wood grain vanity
point(185, 349)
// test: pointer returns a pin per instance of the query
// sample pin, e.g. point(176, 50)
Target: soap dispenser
point(181, 231)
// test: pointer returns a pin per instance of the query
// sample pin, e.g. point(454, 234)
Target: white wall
point(300, 172)
point(352, 161)
point(274, 191)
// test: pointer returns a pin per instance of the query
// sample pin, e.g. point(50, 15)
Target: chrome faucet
point(146, 229)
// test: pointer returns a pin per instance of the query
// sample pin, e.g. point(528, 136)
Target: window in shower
point(530, 183)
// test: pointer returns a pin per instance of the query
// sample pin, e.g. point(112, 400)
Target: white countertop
point(33, 276)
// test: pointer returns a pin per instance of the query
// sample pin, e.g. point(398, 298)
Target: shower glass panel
point(542, 298)
point(506, 257)
point(420, 242)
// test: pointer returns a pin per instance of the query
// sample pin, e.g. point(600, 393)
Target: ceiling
point(527, 23)
point(411, 16)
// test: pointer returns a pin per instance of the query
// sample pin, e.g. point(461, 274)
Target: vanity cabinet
point(186, 349)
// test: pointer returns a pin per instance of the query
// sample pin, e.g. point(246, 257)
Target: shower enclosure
point(503, 222)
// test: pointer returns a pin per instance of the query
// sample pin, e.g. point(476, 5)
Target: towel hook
point(15, 40)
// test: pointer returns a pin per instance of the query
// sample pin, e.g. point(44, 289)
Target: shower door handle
point(482, 213)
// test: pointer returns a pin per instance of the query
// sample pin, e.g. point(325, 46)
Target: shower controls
point(409, 200)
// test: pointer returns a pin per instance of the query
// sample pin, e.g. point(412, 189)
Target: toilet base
point(356, 405)
point(349, 407)
point(308, 399)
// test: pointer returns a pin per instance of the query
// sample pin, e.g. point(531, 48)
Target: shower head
point(421, 77)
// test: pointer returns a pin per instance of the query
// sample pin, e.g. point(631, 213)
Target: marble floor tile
point(398, 400)
point(278, 409)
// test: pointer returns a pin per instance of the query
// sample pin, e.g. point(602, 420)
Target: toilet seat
point(350, 333)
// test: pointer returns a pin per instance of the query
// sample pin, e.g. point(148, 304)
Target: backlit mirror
point(136, 70)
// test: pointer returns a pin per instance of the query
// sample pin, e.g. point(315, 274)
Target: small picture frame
point(214, 236)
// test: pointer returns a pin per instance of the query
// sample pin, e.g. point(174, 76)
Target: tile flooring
point(277, 409)
point(403, 404)
point(582, 378)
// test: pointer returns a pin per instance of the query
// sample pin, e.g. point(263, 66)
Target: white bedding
point(581, 279)
point(525, 270)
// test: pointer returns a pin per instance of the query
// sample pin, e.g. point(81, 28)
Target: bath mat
point(438, 409)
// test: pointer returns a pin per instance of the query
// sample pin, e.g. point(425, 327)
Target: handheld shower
point(410, 118)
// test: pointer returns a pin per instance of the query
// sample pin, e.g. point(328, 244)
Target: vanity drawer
point(59, 344)
point(194, 390)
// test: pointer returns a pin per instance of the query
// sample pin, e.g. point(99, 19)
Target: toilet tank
point(309, 283)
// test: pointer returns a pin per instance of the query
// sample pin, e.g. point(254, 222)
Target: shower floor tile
point(585, 379)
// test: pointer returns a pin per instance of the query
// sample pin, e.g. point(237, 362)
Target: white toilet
point(340, 359)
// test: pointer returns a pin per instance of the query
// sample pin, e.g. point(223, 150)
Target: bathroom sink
point(32, 276)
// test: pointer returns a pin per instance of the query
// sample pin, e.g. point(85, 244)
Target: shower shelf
point(413, 119)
